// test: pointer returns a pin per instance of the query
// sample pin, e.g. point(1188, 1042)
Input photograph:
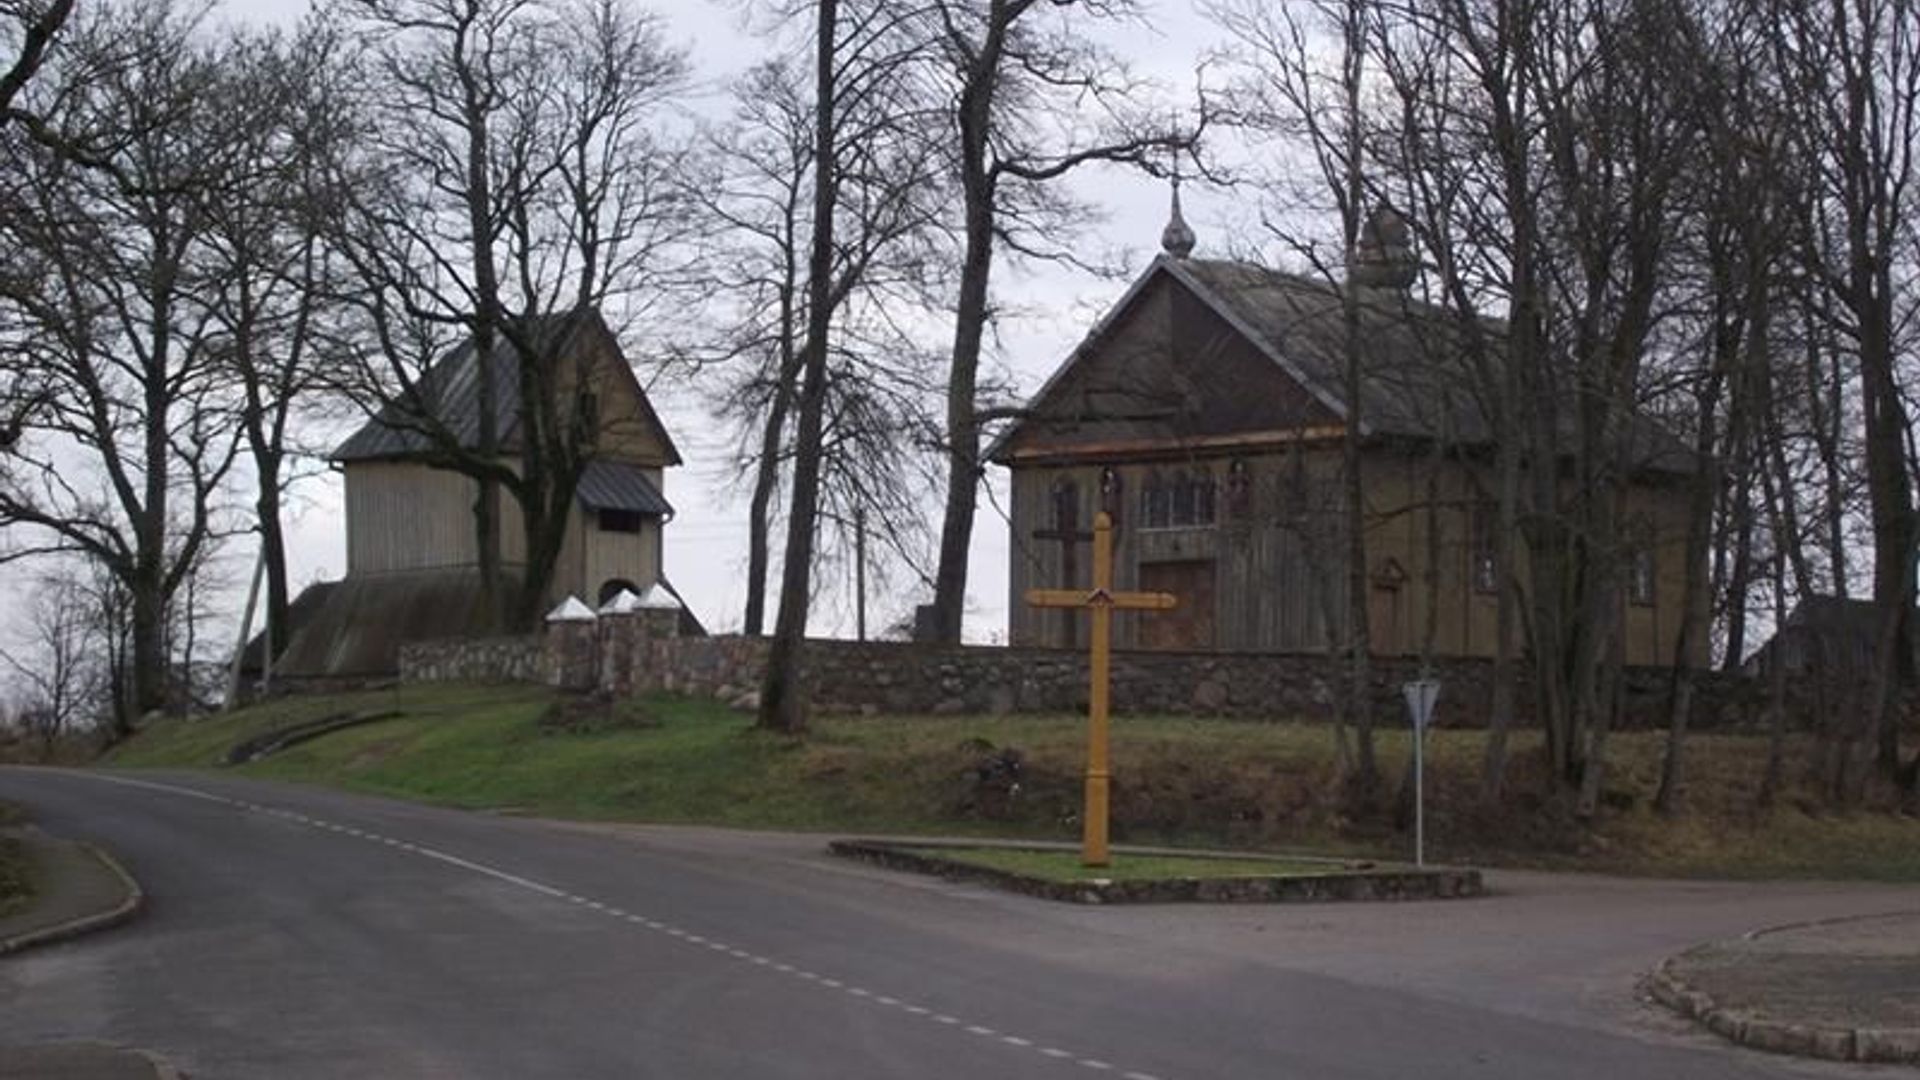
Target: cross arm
point(1122, 601)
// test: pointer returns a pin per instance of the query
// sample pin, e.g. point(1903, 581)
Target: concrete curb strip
point(1889, 1046)
point(1337, 884)
point(131, 905)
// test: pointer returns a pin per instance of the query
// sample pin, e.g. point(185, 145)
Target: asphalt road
point(297, 932)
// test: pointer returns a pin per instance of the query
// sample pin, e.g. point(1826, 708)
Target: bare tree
point(268, 269)
point(27, 30)
point(758, 197)
point(519, 177)
point(1034, 101)
point(870, 164)
point(1852, 93)
point(55, 663)
point(125, 456)
point(1298, 84)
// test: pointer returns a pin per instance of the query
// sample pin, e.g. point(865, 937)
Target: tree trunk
point(783, 694)
point(1696, 613)
point(1506, 610)
point(149, 652)
point(766, 477)
point(273, 550)
point(977, 182)
point(963, 431)
point(485, 329)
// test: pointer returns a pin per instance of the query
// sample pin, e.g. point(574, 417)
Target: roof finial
point(1177, 238)
point(1383, 257)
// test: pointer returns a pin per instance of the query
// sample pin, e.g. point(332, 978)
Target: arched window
point(615, 587)
point(1066, 504)
point(1642, 571)
point(1239, 490)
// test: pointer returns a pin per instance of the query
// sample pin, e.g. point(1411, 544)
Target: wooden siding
point(627, 431)
point(1167, 368)
point(404, 516)
point(1279, 560)
point(1273, 562)
point(609, 556)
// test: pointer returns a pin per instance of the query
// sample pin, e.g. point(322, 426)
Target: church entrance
point(1189, 626)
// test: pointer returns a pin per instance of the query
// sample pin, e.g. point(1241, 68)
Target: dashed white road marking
point(588, 904)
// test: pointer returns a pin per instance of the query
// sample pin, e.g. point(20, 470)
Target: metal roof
point(449, 393)
point(616, 485)
point(1416, 379)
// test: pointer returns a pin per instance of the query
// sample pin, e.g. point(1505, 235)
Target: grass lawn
point(1065, 866)
point(1177, 782)
point(16, 882)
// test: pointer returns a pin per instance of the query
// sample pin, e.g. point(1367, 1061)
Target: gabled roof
point(1415, 381)
point(450, 391)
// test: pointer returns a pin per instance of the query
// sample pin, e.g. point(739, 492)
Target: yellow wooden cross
point(1102, 600)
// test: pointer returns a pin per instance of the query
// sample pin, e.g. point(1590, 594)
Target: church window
point(1239, 491)
point(1066, 504)
point(620, 521)
point(1640, 576)
point(1202, 498)
point(1485, 553)
point(1641, 571)
point(1184, 500)
point(1156, 502)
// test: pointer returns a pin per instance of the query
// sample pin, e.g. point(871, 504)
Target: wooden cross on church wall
point(1101, 602)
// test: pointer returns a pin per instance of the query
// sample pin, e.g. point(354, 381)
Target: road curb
point(130, 905)
point(1339, 883)
point(162, 1068)
point(1885, 1046)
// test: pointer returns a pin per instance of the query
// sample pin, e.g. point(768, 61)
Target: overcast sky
point(706, 542)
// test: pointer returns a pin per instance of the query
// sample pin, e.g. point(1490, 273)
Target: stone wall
point(899, 678)
point(620, 656)
point(486, 660)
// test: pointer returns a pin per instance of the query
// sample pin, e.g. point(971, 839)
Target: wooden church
point(1204, 413)
point(412, 551)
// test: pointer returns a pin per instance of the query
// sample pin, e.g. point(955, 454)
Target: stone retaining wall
point(899, 678)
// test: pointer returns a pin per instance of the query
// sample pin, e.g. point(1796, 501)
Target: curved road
point(297, 932)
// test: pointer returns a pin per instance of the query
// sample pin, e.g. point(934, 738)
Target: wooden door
point(1189, 626)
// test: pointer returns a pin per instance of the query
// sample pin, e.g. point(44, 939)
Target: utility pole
point(246, 631)
point(860, 570)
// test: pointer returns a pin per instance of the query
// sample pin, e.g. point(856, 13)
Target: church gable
point(586, 348)
point(1164, 372)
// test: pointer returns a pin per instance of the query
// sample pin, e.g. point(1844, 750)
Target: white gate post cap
point(656, 598)
point(623, 603)
point(571, 610)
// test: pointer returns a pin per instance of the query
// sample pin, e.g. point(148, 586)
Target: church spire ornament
point(1177, 238)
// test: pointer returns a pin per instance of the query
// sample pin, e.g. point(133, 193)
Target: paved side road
point(296, 932)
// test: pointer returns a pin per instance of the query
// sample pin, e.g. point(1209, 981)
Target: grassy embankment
point(16, 879)
point(1206, 783)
